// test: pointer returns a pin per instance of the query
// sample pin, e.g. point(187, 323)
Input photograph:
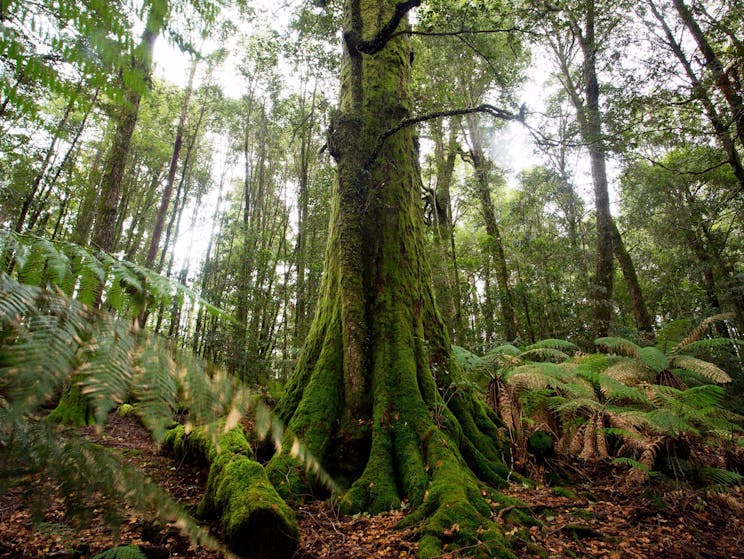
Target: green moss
point(125, 410)
point(201, 445)
point(289, 478)
point(564, 492)
point(256, 521)
point(541, 444)
point(73, 409)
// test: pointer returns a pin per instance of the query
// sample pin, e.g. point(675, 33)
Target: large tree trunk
point(367, 396)
point(444, 261)
point(165, 199)
point(585, 99)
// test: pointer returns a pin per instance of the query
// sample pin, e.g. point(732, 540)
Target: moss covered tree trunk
point(376, 397)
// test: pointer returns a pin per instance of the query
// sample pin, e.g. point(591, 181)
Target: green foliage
point(588, 401)
point(85, 275)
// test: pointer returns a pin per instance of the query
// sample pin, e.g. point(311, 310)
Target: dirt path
point(592, 518)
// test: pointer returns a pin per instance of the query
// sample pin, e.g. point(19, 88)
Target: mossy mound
point(257, 522)
point(73, 409)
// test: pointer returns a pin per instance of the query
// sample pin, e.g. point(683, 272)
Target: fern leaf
point(704, 368)
point(544, 354)
point(553, 343)
point(653, 358)
point(700, 330)
point(719, 476)
point(617, 390)
point(508, 349)
point(620, 346)
point(466, 359)
point(710, 344)
point(628, 371)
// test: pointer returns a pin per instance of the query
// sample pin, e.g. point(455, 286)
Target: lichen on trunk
point(376, 397)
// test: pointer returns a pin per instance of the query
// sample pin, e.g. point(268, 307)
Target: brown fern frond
point(600, 437)
point(628, 371)
point(630, 423)
point(704, 368)
point(577, 440)
point(701, 328)
point(589, 447)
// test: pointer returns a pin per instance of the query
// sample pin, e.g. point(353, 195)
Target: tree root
point(257, 522)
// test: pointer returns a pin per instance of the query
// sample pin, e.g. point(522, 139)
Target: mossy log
point(257, 522)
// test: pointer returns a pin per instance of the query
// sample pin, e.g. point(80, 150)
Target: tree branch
point(460, 32)
point(406, 122)
point(378, 42)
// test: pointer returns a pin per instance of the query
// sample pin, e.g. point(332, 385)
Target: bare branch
point(460, 32)
point(406, 122)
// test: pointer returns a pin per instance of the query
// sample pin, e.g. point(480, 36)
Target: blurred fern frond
point(49, 342)
point(89, 276)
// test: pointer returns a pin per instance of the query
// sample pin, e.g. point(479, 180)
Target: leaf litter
point(595, 516)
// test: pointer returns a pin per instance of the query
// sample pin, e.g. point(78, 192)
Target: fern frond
point(81, 469)
point(630, 421)
point(629, 371)
point(620, 346)
point(617, 390)
point(83, 274)
point(466, 359)
point(632, 463)
point(506, 349)
point(720, 476)
point(536, 375)
point(700, 330)
point(582, 406)
point(710, 344)
point(703, 368)
point(653, 358)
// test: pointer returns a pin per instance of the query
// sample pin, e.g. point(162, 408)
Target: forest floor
point(596, 516)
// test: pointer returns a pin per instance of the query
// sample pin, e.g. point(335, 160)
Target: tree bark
point(640, 311)
point(368, 395)
point(157, 230)
point(444, 261)
point(585, 99)
point(105, 228)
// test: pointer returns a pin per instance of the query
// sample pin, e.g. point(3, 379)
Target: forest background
point(199, 211)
